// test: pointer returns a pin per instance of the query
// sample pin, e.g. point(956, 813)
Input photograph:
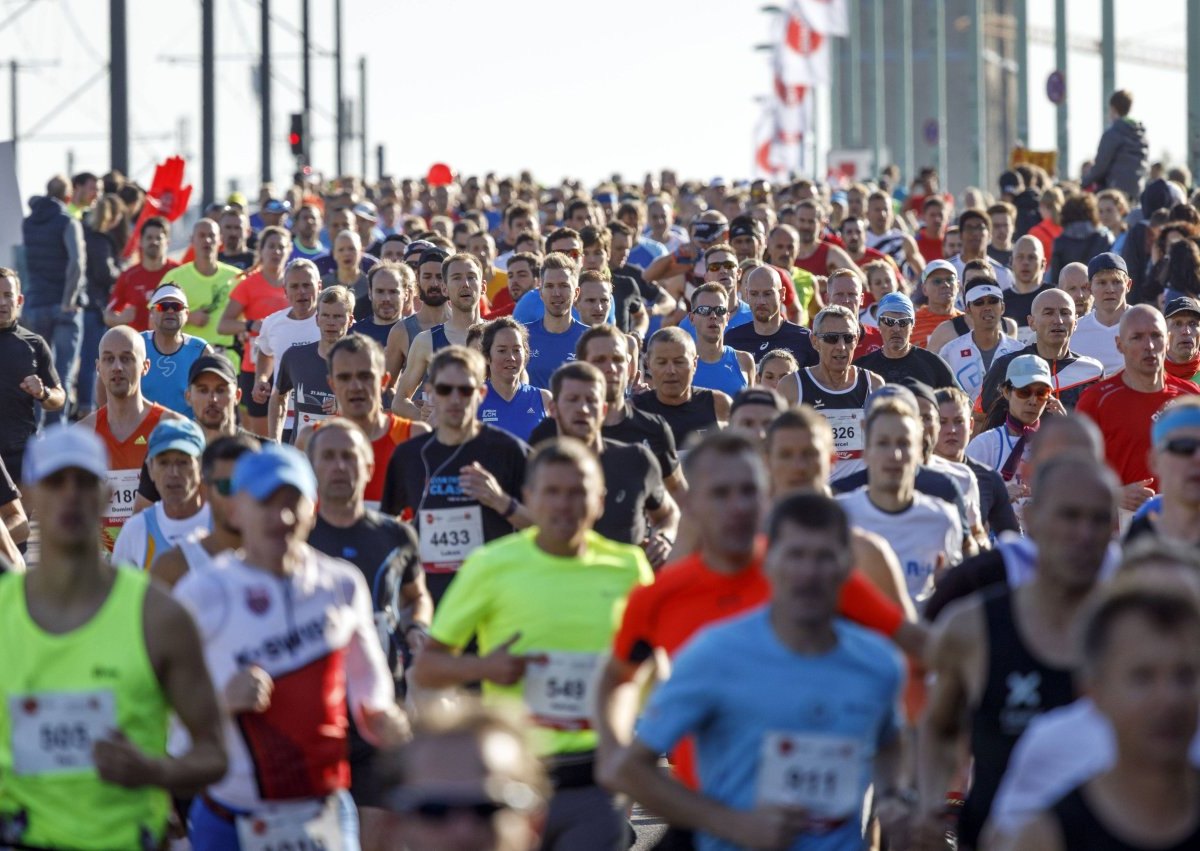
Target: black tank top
point(1082, 831)
point(438, 338)
point(695, 416)
point(960, 325)
point(812, 393)
point(1019, 688)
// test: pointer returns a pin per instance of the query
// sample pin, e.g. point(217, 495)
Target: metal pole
point(854, 75)
point(362, 115)
point(879, 120)
point(379, 160)
point(264, 86)
point(939, 90)
point(208, 112)
point(814, 128)
point(337, 86)
point(836, 92)
point(1021, 12)
point(118, 87)
point(907, 153)
point(12, 102)
point(978, 119)
point(1108, 57)
point(1060, 62)
point(306, 83)
point(1193, 87)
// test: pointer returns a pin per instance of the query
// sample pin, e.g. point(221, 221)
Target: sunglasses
point(1185, 446)
point(833, 338)
point(709, 310)
point(1026, 392)
point(168, 307)
point(224, 486)
point(464, 390)
point(438, 812)
point(575, 253)
point(726, 264)
point(987, 300)
point(893, 322)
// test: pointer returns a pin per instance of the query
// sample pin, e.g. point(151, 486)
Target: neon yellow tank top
point(58, 693)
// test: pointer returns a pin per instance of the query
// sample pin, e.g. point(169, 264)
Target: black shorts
point(246, 385)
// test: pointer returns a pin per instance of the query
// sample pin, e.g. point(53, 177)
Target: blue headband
point(1181, 416)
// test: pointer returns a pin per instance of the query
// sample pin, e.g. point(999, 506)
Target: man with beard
point(463, 276)
point(768, 329)
point(1183, 338)
point(387, 289)
point(434, 310)
point(814, 254)
point(522, 276)
point(306, 235)
point(127, 304)
point(853, 232)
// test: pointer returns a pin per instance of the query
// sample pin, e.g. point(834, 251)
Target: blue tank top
point(438, 337)
point(167, 379)
point(519, 416)
point(725, 375)
point(547, 351)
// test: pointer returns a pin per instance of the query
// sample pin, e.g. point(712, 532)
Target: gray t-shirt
point(303, 372)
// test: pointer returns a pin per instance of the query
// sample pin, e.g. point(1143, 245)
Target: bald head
point(762, 277)
point(1139, 319)
point(1057, 436)
point(1052, 298)
point(123, 339)
point(1034, 245)
point(1073, 274)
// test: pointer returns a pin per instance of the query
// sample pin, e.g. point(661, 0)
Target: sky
point(630, 86)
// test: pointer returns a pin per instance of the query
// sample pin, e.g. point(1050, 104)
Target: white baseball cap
point(1028, 369)
point(62, 446)
point(168, 292)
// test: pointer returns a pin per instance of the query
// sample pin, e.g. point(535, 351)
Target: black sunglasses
point(708, 310)
point(224, 486)
point(464, 390)
point(833, 338)
point(1182, 445)
point(437, 811)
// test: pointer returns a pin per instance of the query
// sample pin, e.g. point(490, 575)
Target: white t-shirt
point(134, 544)
point(992, 447)
point(1004, 276)
point(966, 360)
point(279, 333)
point(1099, 342)
point(967, 483)
point(922, 535)
point(1059, 750)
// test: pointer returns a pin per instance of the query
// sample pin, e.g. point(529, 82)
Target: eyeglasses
point(710, 310)
point(727, 265)
point(575, 253)
point(437, 811)
point(987, 300)
point(224, 486)
point(1025, 392)
point(464, 390)
point(1185, 446)
point(168, 307)
point(833, 338)
point(895, 322)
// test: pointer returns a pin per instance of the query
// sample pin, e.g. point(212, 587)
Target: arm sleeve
point(683, 704)
point(863, 603)
point(76, 260)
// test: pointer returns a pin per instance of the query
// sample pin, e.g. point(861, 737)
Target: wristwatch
point(45, 394)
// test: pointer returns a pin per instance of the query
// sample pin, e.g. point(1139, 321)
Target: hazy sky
point(630, 86)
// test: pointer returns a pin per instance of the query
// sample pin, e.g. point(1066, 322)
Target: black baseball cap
point(217, 364)
point(1182, 304)
point(433, 255)
point(758, 396)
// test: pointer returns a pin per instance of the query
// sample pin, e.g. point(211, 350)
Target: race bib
point(822, 774)
point(292, 827)
point(124, 487)
point(449, 535)
point(560, 689)
point(305, 419)
point(53, 732)
point(848, 431)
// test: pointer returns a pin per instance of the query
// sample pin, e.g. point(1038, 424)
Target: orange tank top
point(398, 431)
point(125, 460)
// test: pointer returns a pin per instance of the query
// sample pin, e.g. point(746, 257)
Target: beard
point(433, 299)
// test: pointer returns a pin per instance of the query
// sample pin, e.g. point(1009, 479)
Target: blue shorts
point(208, 831)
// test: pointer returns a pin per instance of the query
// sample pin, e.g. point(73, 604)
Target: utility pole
point(264, 88)
point(379, 160)
point(13, 70)
point(1063, 108)
point(118, 87)
point(1108, 57)
point(1021, 12)
point(208, 111)
point(362, 115)
point(337, 86)
point(306, 82)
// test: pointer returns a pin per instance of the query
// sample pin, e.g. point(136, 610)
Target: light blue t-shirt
point(167, 379)
point(725, 375)
point(645, 252)
point(742, 316)
point(547, 351)
point(735, 687)
point(531, 308)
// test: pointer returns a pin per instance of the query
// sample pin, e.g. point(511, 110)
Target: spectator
point(1158, 195)
point(101, 271)
point(1183, 271)
point(1048, 229)
point(1121, 159)
point(1082, 237)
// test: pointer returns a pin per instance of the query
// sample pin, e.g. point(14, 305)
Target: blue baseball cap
point(1105, 261)
point(897, 302)
point(176, 435)
point(262, 473)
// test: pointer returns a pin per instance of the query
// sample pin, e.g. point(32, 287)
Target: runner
point(1005, 442)
point(510, 403)
point(637, 508)
point(801, 669)
point(304, 369)
point(255, 297)
point(287, 713)
point(974, 224)
point(1007, 656)
point(388, 288)
point(971, 355)
point(197, 551)
point(460, 483)
point(774, 367)
point(1183, 338)
point(284, 329)
point(718, 366)
point(721, 266)
point(1096, 333)
point(899, 357)
point(306, 235)
point(670, 365)
point(523, 271)
point(753, 410)
point(1029, 269)
point(206, 283)
point(433, 307)
point(106, 658)
point(173, 455)
point(170, 351)
point(553, 337)
point(350, 270)
point(844, 287)
point(127, 303)
point(543, 605)
point(235, 230)
point(939, 286)
point(954, 433)
point(124, 423)
point(1073, 280)
point(814, 253)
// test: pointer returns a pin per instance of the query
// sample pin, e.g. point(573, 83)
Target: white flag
point(802, 50)
point(828, 17)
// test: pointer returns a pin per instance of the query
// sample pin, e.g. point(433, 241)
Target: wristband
point(415, 625)
point(512, 508)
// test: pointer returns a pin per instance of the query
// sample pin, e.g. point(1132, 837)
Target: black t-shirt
point(794, 338)
point(633, 485)
point(243, 261)
point(975, 574)
point(305, 374)
point(627, 301)
point(695, 416)
point(8, 488)
point(22, 353)
point(146, 485)
point(423, 474)
point(994, 505)
point(918, 363)
point(637, 426)
point(1018, 306)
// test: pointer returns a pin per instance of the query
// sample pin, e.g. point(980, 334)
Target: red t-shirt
point(687, 596)
point(259, 299)
point(929, 246)
point(1124, 416)
point(816, 263)
point(134, 287)
point(502, 304)
point(870, 255)
point(869, 341)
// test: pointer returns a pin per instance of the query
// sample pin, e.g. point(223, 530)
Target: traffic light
point(296, 134)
